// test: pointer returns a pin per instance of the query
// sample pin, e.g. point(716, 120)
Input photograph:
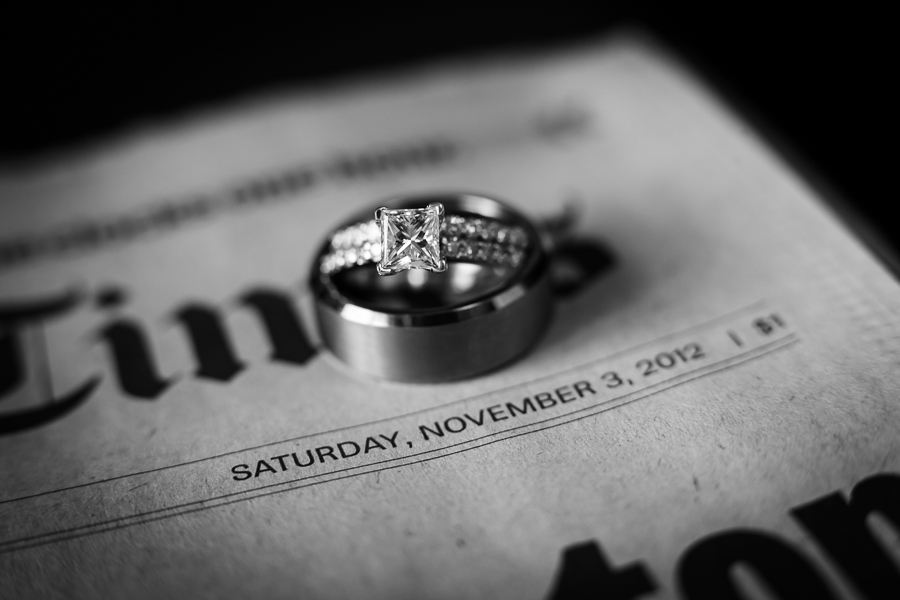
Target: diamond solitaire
point(411, 239)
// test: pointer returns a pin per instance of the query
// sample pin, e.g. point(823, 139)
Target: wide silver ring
point(478, 310)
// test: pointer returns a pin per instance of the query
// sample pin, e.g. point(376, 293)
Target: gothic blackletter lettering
point(13, 320)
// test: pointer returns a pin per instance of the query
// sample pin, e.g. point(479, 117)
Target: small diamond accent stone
point(410, 239)
point(518, 237)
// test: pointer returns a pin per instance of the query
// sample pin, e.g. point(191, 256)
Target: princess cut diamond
point(410, 239)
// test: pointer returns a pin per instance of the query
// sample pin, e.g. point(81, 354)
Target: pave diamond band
point(477, 240)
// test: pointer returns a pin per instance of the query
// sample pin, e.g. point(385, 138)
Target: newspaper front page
point(713, 412)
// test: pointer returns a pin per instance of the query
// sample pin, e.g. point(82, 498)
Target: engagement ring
point(400, 239)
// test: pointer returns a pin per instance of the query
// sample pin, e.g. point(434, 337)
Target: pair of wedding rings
point(433, 288)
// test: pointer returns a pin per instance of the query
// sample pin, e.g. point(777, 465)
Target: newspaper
point(713, 412)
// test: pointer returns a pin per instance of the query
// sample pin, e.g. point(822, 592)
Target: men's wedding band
point(468, 291)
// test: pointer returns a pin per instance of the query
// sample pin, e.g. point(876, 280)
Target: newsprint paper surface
point(713, 412)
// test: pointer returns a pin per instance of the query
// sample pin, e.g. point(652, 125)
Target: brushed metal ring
point(421, 326)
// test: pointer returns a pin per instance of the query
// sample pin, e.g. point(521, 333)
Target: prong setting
point(411, 239)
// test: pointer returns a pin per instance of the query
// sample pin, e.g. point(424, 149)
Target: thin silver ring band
point(458, 336)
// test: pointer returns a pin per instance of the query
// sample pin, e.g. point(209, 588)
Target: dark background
point(816, 78)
